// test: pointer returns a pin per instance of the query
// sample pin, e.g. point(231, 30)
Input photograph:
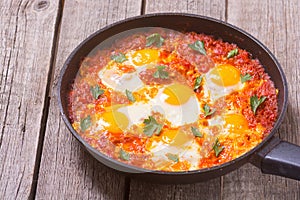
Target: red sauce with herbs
point(164, 100)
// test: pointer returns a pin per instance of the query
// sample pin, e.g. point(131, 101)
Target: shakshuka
point(166, 100)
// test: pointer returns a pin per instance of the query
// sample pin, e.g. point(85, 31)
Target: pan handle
point(279, 158)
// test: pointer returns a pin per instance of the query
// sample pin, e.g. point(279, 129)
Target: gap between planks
point(46, 101)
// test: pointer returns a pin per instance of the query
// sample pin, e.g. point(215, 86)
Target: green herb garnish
point(172, 157)
point(130, 96)
point(151, 126)
point(198, 82)
point(232, 53)
point(245, 78)
point(160, 73)
point(119, 58)
point(85, 123)
point(198, 46)
point(196, 132)
point(217, 147)
point(156, 39)
point(124, 155)
point(255, 102)
point(96, 91)
point(208, 111)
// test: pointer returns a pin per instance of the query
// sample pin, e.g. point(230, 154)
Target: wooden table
point(40, 159)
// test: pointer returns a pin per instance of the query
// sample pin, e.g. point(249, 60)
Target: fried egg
point(143, 57)
point(176, 142)
point(230, 123)
point(222, 80)
point(178, 103)
point(114, 78)
point(119, 81)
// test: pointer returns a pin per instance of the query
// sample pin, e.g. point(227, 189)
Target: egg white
point(120, 81)
point(136, 112)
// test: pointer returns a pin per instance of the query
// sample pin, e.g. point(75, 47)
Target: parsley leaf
point(85, 123)
point(160, 73)
point(124, 155)
point(198, 82)
point(198, 46)
point(245, 78)
point(96, 91)
point(217, 147)
point(172, 157)
point(155, 38)
point(208, 111)
point(255, 102)
point(119, 58)
point(196, 132)
point(151, 126)
point(232, 53)
point(130, 96)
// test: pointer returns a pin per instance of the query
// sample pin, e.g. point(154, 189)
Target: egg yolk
point(172, 137)
point(117, 121)
point(225, 75)
point(145, 56)
point(177, 94)
point(175, 137)
point(235, 122)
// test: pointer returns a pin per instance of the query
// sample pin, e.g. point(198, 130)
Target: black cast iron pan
point(272, 155)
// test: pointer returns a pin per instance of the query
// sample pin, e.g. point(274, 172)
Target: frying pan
point(272, 155)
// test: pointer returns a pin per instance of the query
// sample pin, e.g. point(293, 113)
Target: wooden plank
point(203, 190)
point(67, 171)
point(276, 24)
point(26, 42)
point(215, 8)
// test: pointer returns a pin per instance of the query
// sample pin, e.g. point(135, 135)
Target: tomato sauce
point(92, 96)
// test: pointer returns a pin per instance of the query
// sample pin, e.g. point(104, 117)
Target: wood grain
point(205, 190)
point(67, 171)
point(214, 8)
point(276, 24)
point(26, 42)
point(36, 36)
